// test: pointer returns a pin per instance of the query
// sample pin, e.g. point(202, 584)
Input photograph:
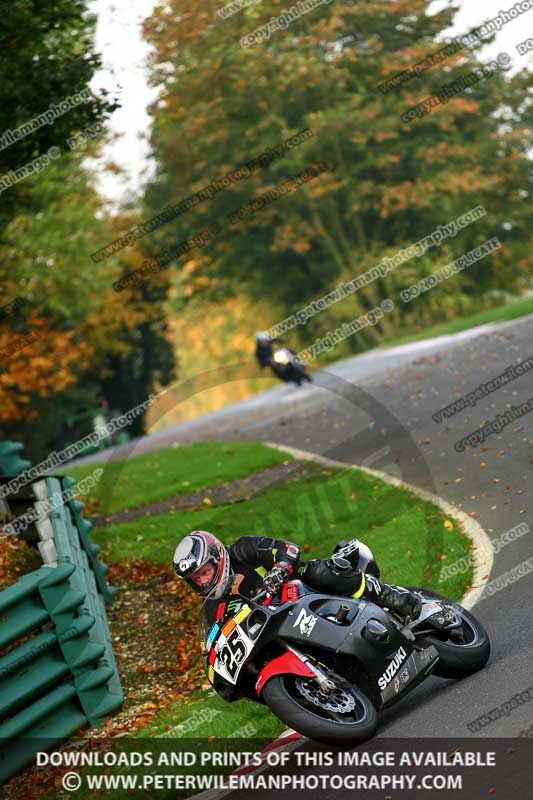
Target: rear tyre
point(458, 659)
point(345, 716)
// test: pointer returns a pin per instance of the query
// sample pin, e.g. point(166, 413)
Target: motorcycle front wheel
point(343, 716)
point(461, 652)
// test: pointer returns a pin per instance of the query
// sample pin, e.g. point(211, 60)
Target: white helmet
point(203, 563)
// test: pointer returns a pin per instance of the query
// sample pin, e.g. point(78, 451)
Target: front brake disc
point(339, 700)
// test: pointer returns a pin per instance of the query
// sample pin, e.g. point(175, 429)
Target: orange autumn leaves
point(36, 362)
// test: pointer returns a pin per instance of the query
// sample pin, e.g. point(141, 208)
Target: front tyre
point(343, 716)
point(462, 653)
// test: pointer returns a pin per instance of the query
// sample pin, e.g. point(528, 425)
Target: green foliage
point(46, 247)
point(46, 55)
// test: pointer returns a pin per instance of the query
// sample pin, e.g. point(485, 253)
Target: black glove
point(276, 577)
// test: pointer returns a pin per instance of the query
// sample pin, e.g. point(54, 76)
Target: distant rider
point(263, 348)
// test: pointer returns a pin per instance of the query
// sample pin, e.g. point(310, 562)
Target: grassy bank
point(166, 473)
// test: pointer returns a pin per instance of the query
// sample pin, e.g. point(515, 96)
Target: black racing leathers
point(254, 556)
point(319, 575)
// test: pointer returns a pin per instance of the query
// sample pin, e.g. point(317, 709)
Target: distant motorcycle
point(282, 360)
point(326, 665)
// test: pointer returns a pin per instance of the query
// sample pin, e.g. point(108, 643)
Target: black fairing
point(351, 649)
point(365, 657)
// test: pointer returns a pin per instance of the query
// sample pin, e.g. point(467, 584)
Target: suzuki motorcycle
point(327, 665)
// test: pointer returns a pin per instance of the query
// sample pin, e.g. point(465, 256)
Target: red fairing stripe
point(287, 663)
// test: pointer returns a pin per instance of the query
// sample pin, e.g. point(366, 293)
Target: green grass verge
point(408, 536)
point(505, 313)
point(207, 714)
point(166, 473)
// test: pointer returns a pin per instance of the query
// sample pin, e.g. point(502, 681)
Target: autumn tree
point(75, 341)
point(46, 56)
point(391, 182)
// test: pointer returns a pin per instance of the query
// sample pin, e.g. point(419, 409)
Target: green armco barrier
point(10, 461)
point(21, 609)
point(84, 527)
point(99, 698)
point(59, 673)
point(42, 726)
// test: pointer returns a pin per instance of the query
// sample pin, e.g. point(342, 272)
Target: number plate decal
point(232, 647)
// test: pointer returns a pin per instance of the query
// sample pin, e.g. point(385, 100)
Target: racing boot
point(402, 602)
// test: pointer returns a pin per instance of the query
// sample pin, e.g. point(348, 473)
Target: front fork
point(320, 677)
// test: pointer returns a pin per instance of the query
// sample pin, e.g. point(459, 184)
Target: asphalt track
point(386, 423)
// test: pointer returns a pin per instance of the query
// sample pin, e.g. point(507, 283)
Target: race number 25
point(233, 653)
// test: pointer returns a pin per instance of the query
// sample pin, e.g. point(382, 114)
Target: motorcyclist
point(263, 348)
point(204, 563)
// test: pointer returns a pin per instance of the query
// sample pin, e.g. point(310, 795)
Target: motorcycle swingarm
point(435, 616)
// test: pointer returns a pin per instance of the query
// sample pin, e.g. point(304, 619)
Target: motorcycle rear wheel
point(458, 660)
point(297, 701)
